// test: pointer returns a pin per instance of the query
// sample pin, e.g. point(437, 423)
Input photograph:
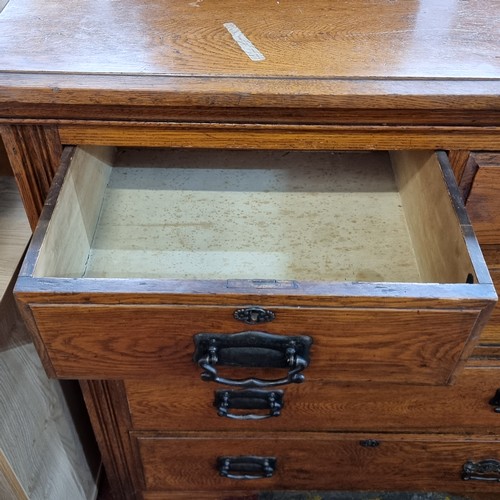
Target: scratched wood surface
point(365, 39)
point(427, 69)
point(386, 54)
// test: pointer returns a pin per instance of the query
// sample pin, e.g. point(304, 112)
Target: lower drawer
point(489, 342)
point(491, 332)
point(483, 203)
point(188, 403)
point(318, 461)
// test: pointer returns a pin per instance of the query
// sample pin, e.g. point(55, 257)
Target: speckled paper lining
point(258, 215)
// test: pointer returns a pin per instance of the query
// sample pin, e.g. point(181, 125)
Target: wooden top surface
point(311, 49)
point(297, 38)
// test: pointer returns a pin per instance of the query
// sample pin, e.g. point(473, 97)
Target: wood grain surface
point(185, 402)
point(352, 55)
point(105, 402)
point(354, 136)
point(316, 461)
point(490, 337)
point(483, 203)
point(41, 455)
point(482, 188)
point(365, 40)
point(34, 153)
point(14, 230)
point(38, 435)
point(336, 75)
point(10, 486)
point(413, 346)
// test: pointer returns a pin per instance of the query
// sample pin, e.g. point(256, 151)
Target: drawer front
point(378, 345)
point(491, 332)
point(187, 403)
point(316, 461)
point(369, 321)
point(488, 348)
point(483, 203)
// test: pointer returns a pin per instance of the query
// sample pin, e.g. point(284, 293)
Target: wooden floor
point(14, 230)
point(41, 454)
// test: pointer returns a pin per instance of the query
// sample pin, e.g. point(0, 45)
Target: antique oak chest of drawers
point(248, 293)
point(254, 257)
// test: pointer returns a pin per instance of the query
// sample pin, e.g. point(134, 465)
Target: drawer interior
point(271, 215)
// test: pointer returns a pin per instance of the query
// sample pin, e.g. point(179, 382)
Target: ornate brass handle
point(495, 401)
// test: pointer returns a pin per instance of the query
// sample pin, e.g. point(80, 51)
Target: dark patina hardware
point(370, 443)
point(253, 315)
point(485, 470)
point(495, 401)
point(246, 467)
point(252, 350)
point(250, 399)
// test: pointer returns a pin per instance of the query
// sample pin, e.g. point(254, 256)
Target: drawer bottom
point(318, 461)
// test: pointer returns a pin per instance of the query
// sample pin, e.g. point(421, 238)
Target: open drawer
point(370, 256)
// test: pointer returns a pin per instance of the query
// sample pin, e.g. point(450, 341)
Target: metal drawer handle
point(495, 401)
point(251, 399)
point(246, 467)
point(485, 470)
point(252, 350)
point(253, 315)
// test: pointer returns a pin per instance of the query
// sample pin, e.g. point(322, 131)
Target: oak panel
point(483, 204)
point(416, 346)
point(105, 403)
point(316, 461)
point(185, 402)
point(34, 153)
point(236, 136)
point(387, 56)
point(490, 336)
point(491, 332)
point(368, 40)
